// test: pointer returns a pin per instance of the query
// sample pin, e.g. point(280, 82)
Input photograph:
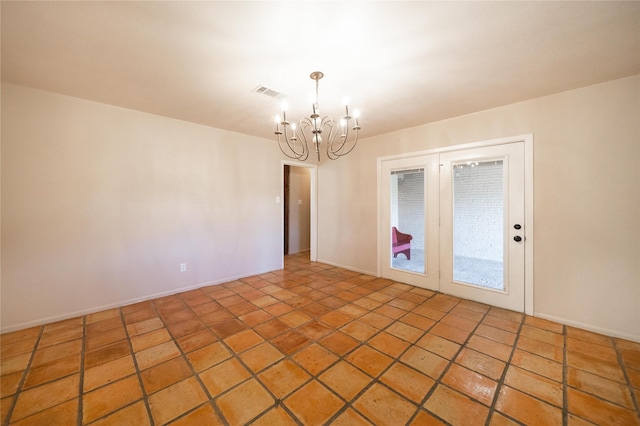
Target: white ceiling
point(401, 63)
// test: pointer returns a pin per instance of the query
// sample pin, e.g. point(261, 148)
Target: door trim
point(313, 207)
point(528, 196)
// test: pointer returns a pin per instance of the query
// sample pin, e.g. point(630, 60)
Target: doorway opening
point(299, 209)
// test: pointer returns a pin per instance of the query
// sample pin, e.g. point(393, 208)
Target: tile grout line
point(25, 373)
point(81, 384)
point(396, 360)
point(503, 376)
point(252, 374)
point(450, 362)
point(376, 380)
point(436, 380)
point(191, 367)
point(313, 377)
point(279, 402)
point(145, 397)
point(630, 388)
point(565, 376)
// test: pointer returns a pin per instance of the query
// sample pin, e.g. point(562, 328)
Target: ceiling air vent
point(263, 90)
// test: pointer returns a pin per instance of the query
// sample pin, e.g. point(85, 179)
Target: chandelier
point(294, 139)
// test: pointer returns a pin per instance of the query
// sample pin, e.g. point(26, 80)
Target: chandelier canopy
point(294, 138)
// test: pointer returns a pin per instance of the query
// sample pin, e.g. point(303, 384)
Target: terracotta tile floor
point(314, 344)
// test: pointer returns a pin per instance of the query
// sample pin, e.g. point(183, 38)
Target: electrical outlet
point(183, 267)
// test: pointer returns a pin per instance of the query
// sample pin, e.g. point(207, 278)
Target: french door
point(482, 225)
point(465, 212)
point(410, 196)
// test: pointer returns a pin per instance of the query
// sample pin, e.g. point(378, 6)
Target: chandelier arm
point(303, 154)
point(305, 126)
point(335, 153)
point(294, 154)
point(331, 137)
point(355, 141)
point(334, 149)
point(303, 135)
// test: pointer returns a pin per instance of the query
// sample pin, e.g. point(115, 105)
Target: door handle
point(517, 238)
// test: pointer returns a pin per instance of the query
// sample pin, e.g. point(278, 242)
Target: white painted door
point(482, 212)
point(409, 207)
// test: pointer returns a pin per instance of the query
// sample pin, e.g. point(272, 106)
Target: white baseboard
point(348, 268)
point(300, 251)
point(589, 327)
point(122, 303)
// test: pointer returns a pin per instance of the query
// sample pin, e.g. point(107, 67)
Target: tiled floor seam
point(236, 356)
point(630, 388)
point(316, 377)
point(627, 384)
point(376, 380)
point(496, 396)
point(565, 377)
point(372, 382)
point(438, 381)
point(145, 397)
point(83, 349)
point(280, 401)
point(25, 373)
point(348, 404)
point(290, 357)
point(193, 371)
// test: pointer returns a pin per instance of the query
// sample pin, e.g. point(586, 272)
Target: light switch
point(278, 200)
point(300, 202)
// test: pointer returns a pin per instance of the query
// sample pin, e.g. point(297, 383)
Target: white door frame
point(528, 195)
point(313, 207)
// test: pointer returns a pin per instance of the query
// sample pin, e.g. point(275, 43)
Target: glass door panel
point(478, 223)
point(407, 220)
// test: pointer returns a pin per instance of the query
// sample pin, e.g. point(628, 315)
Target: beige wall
point(100, 205)
point(586, 198)
point(299, 209)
